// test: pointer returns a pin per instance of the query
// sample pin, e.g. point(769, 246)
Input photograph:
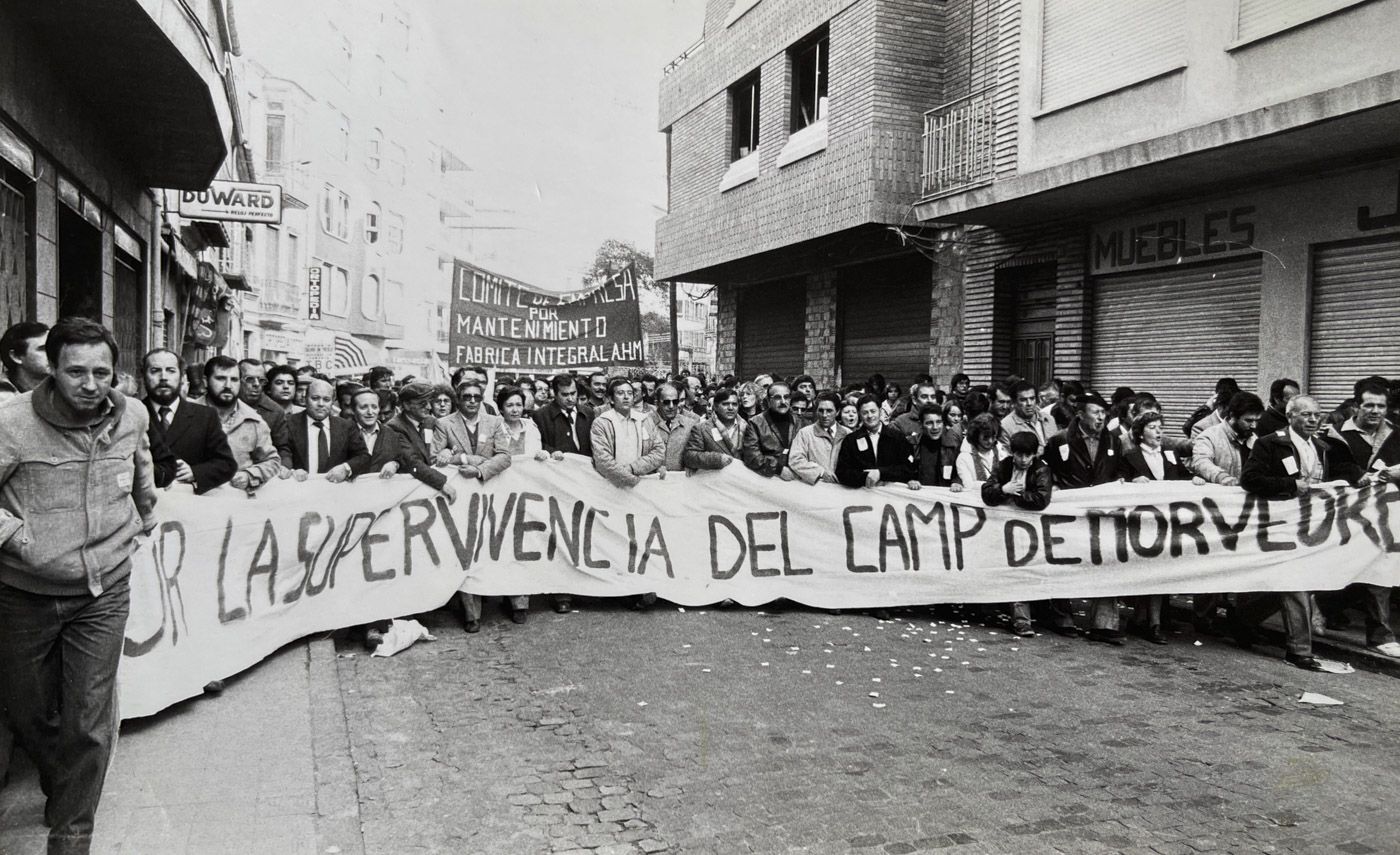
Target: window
point(276, 135)
point(373, 148)
point(371, 297)
point(343, 136)
point(1085, 54)
point(743, 117)
point(372, 223)
point(335, 282)
point(393, 233)
point(335, 212)
point(809, 80)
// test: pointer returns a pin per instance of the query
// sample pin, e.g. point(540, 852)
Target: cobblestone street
point(735, 730)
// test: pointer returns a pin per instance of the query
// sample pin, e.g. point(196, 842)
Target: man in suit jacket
point(383, 444)
point(564, 426)
point(476, 440)
point(414, 426)
point(252, 380)
point(769, 436)
point(715, 442)
point(1282, 465)
point(1086, 454)
point(191, 431)
point(339, 449)
point(874, 453)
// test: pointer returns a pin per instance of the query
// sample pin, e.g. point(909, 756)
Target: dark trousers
point(1254, 609)
point(1103, 613)
point(1374, 602)
point(58, 682)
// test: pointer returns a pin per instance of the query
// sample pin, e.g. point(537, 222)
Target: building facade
point(793, 135)
point(85, 133)
point(1178, 192)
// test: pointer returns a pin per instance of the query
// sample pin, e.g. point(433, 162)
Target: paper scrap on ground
point(1333, 667)
point(1319, 700)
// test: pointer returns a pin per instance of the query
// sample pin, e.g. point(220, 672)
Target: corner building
point(1178, 191)
point(794, 137)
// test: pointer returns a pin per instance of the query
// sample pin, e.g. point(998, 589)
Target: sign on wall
point(233, 201)
point(313, 293)
point(501, 323)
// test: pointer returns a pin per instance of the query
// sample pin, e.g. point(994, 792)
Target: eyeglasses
point(470, 397)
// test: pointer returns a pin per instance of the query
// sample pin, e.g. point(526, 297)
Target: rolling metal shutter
point(1089, 48)
point(771, 329)
point(1261, 17)
point(1174, 332)
point(884, 313)
point(1355, 301)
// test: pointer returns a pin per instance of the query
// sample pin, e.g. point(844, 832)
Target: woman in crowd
point(1148, 461)
point(849, 414)
point(979, 456)
point(524, 436)
point(441, 402)
point(974, 404)
point(887, 407)
point(752, 398)
point(953, 419)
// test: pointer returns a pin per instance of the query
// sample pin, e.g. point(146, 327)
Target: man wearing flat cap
point(417, 445)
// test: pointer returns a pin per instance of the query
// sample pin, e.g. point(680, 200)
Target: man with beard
point(252, 378)
point(322, 443)
point(1218, 453)
point(191, 431)
point(814, 451)
point(874, 453)
point(1284, 465)
point(1086, 454)
point(1002, 403)
point(769, 436)
point(248, 436)
point(76, 493)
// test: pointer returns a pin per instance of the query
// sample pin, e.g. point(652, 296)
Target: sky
point(552, 104)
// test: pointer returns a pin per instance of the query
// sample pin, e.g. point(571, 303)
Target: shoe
point(1307, 663)
point(1390, 648)
point(373, 638)
point(473, 626)
point(1022, 629)
point(644, 602)
point(563, 608)
point(1066, 631)
point(519, 615)
point(1155, 634)
point(882, 614)
point(214, 687)
point(1106, 636)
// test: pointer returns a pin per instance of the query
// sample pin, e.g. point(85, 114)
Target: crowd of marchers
point(85, 451)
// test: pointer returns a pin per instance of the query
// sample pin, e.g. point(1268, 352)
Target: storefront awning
point(150, 74)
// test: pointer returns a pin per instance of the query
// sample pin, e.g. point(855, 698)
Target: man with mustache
point(248, 436)
point(191, 431)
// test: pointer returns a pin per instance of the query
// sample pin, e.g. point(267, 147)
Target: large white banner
point(225, 579)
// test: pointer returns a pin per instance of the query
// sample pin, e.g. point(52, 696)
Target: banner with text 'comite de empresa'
point(501, 323)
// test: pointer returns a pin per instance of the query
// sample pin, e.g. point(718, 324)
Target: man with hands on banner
point(769, 436)
point(564, 427)
point(322, 443)
point(814, 451)
point(1283, 465)
point(1025, 481)
point(477, 441)
point(625, 449)
point(670, 422)
point(416, 438)
point(192, 432)
point(249, 437)
point(874, 453)
point(716, 441)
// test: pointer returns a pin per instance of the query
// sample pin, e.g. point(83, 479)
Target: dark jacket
point(894, 458)
point(196, 437)
point(706, 447)
point(554, 430)
point(345, 444)
point(935, 463)
point(276, 419)
point(764, 450)
point(1267, 474)
point(1036, 496)
point(1360, 447)
point(1273, 420)
point(1132, 464)
point(414, 458)
point(1067, 455)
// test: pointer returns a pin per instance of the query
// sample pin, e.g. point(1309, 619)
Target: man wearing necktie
point(322, 443)
point(191, 431)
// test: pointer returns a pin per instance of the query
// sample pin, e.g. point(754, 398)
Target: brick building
point(1183, 190)
point(794, 141)
point(101, 100)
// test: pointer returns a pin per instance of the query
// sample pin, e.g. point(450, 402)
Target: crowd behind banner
point(245, 422)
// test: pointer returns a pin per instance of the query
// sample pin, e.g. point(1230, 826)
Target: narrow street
point(739, 731)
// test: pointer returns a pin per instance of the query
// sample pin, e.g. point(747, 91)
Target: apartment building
point(1161, 193)
point(85, 133)
point(793, 132)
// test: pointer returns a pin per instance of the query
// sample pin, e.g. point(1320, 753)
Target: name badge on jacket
point(714, 432)
point(1064, 453)
point(863, 444)
point(947, 473)
point(1170, 455)
point(1290, 466)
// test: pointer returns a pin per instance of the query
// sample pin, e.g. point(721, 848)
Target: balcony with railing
point(279, 300)
point(959, 143)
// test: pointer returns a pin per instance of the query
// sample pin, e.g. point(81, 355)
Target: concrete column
point(945, 337)
point(726, 328)
point(819, 347)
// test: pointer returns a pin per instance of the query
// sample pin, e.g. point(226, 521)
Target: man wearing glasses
point(671, 423)
point(768, 438)
point(476, 440)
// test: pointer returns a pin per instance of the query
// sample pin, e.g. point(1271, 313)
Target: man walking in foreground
point(76, 489)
